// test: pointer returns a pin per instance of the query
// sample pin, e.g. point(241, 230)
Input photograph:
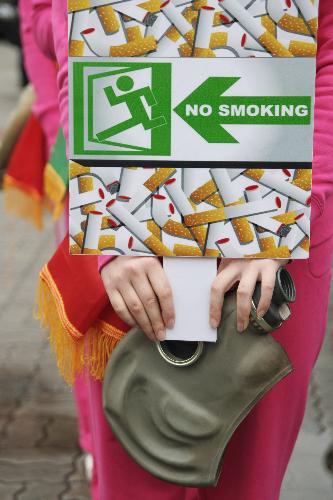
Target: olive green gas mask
point(175, 405)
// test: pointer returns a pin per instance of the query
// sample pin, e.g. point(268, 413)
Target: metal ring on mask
point(173, 360)
point(260, 323)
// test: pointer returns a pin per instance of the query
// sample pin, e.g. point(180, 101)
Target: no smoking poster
point(191, 127)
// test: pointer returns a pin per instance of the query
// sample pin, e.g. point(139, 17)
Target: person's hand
point(247, 272)
point(140, 293)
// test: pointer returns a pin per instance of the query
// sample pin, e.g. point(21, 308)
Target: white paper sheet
point(191, 279)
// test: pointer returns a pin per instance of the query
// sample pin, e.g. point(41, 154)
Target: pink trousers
point(258, 453)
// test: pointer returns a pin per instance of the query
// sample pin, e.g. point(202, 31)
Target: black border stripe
point(270, 165)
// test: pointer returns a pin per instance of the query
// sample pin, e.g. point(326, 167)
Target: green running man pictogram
point(133, 100)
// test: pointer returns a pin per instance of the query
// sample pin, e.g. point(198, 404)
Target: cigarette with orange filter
point(138, 229)
point(302, 250)
point(75, 232)
point(266, 243)
point(227, 248)
point(154, 228)
point(184, 207)
point(132, 10)
point(268, 24)
point(303, 178)
point(176, 18)
point(215, 200)
point(203, 32)
point(149, 187)
point(216, 232)
point(133, 31)
point(229, 191)
point(109, 19)
point(286, 218)
point(270, 224)
point(205, 217)
point(92, 233)
point(254, 27)
point(106, 241)
point(299, 48)
point(77, 46)
point(293, 239)
point(178, 196)
point(303, 222)
point(203, 192)
point(162, 212)
point(97, 44)
point(135, 48)
point(230, 212)
point(275, 182)
point(287, 22)
point(310, 14)
point(231, 194)
point(281, 252)
point(74, 249)
point(79, 199)
point(75, 169)
point(186, 250)
point(75, 5)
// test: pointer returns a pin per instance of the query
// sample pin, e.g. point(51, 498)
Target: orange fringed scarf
point(73, 305)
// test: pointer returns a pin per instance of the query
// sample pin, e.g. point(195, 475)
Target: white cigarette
point(92, 232)
point(284, 187)
point(132, 10)
point(77, 199)
point(135, 227)
point(251, 24)
point(299, 253)
point(159, 28)
point(276, 9)
point(204, 27)
point(251, 208)
point(160, 212)
point(271, 225)
point(165, 48)
point(303, 222)
point(235, 172)
point(176, 18)
point(129, 179)
point(307, 9)
point(229, 191)
point(178, 196)
point(253, 192)
point(227, 249)
point(98, 44)
point(293, 239)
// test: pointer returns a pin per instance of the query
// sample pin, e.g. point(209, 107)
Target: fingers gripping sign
point(245, 272)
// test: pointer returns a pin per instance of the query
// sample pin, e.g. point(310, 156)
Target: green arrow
point(206, 109)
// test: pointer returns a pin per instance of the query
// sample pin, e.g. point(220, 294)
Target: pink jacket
point(322, 188)
point(35, 21)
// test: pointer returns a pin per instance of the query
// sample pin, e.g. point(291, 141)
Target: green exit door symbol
point(122, 108)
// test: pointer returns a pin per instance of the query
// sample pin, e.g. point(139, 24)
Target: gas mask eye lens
point(180, 353)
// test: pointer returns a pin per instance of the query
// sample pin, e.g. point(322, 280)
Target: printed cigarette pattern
point(248, 213)
point(185, 28)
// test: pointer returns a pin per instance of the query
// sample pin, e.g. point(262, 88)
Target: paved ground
point(39, 457)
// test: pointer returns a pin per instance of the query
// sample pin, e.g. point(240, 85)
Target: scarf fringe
point(87, 352)
point(24, 203)
point(54, 189)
